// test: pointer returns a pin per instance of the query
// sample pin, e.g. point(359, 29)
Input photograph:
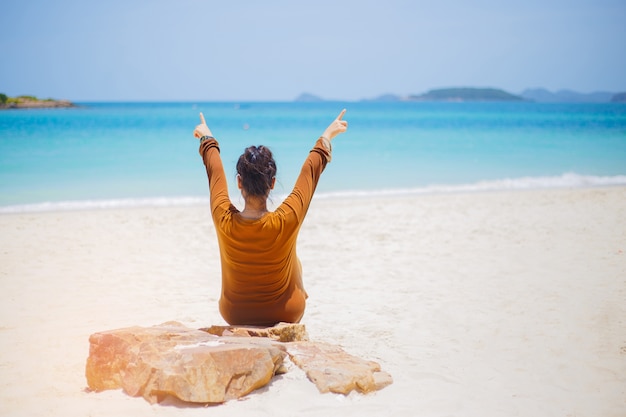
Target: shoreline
point(491, 304)
point(568, 181)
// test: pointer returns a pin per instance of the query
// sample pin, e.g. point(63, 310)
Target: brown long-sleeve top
point(261, 273)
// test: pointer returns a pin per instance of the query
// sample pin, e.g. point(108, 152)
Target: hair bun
point(257, 169)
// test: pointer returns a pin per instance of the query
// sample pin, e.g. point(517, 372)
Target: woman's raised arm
point(300, 198)
point(210, 153)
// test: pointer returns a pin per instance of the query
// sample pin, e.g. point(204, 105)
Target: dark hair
point(257, 169)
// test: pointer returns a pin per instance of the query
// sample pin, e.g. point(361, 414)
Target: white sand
point(496, 304)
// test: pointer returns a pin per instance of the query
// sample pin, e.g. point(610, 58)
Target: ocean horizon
point(102, 155)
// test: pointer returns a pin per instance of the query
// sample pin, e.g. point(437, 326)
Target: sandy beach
point(478, 304)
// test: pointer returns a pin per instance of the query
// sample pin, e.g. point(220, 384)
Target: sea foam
point(567, 180)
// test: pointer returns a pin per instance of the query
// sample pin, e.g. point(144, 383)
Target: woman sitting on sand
point(261, 274)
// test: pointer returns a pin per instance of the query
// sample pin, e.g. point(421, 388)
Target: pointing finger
point(202, 118)
point(341, 114)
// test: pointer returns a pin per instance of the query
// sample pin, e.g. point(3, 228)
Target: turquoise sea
point(125, 154)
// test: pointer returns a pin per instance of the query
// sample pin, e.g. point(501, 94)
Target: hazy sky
point(274, 50)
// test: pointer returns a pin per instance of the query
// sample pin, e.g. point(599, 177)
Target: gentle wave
point(105, 204)
point(568, 180)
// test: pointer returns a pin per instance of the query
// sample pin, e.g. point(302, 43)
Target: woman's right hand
point(336, 127)
point(202, 129)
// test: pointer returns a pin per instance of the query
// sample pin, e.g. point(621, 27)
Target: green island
point(466, 94)
point(31, 102)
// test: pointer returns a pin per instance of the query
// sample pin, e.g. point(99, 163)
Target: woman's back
point(261, 273)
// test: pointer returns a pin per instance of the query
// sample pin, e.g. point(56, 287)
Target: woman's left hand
point(336, 127)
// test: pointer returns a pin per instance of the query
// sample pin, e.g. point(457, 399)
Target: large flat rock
point(189, 364)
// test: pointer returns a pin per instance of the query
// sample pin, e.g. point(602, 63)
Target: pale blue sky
point(274, 50)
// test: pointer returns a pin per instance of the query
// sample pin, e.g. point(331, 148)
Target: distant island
point(31, 102)
point(462, 94)
point(466, 94)
point(309, 98)
point(442, 94)
point(619, 98)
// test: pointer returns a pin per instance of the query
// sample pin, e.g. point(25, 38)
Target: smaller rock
point(282, 332)
point(331, 369)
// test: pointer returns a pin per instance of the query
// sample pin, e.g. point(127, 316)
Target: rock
point(331, 369)
point(220, 363)
point(282, 332)
point(171, 359)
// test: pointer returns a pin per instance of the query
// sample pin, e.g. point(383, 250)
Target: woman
point(261, 274)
